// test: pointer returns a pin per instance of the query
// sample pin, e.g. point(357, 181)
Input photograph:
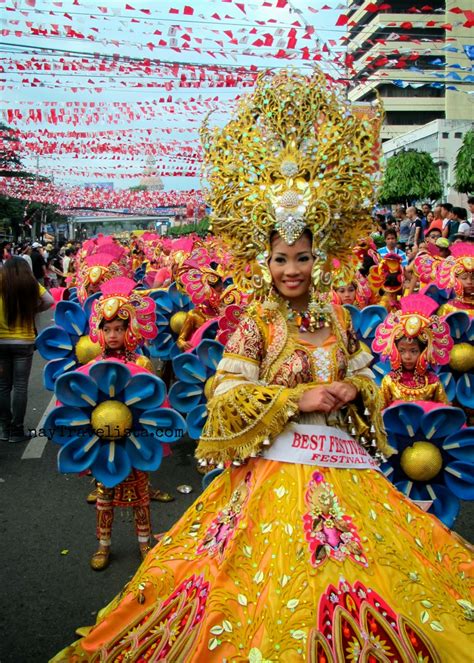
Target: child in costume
point(457, 272)
point(413, 338)
point(121, 320)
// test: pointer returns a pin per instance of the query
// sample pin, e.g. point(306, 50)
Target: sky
point(127, 32)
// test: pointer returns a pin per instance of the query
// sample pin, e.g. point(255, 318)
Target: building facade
point(435, 80)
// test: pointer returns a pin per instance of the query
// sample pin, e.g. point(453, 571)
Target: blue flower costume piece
point(458, 376)
point(434, 459)
point(66, 344)
point(188, 394)
point(168, 303)
point(365, 322)
point(111, 421)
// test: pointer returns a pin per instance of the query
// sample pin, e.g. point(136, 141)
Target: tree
point(409, 176)
point(464, 168)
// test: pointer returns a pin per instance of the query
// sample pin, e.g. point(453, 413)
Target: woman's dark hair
point(19, 291)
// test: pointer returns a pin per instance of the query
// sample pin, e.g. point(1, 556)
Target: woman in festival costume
point(121, 320)
point(457, 272)
point(301, 549)
point(413, 339)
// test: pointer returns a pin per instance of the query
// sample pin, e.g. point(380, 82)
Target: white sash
point(325, 446)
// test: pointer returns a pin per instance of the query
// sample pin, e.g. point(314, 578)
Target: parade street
point(48, 536)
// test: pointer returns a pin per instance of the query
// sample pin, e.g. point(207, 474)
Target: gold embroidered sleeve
point(386, 391)
point(242, 418)
point(244, 411)
point(366, 410)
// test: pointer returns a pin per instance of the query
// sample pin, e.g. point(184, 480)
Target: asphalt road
point(47, 535)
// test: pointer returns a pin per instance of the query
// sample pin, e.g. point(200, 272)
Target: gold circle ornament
point(86, 350)
point(177, 321)
point(111, 420)
point(413, 325)
point(421, 462)
point(462, 357)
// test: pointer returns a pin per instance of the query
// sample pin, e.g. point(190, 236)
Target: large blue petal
point(57, 367)
point(210, 353)
point(88, 304)
point(145, 453)
point(442, 421)
point(71, 317)
point(161, 345)
point(188, 368)
point(111, 376)
point(459, 323)
point(181, 301)
point(165, 424)
point(55, 343)
point(403, 419)
point(78, 454)
point(184, 396)
point(460, 445)
point(76, 389)
point(449, 383)
point(380, 370)
point(465, 390)
point(64, 423)
point(112, 464)
point(459, 478)
point(370, 319)
point(145, 391)
point(195, 421)
point(164, 303)
point(445, 505)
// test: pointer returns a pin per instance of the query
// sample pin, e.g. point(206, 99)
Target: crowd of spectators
point(51, 264)
point(407, 230)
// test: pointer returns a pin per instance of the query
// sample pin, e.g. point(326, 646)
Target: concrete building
point(442, 139)
point(430, 51)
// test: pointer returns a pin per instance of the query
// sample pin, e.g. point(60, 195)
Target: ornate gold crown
point(295, 156)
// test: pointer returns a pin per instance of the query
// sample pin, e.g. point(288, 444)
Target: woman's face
point(290, 267)
point(347, 294)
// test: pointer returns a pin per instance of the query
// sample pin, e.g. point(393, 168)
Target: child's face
point(114, 334)
point(347, 294)
point(467, 280)
point(409, 352)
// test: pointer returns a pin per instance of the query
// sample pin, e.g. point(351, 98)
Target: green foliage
point(201, 228)
point(464, 168)
point(410, 176)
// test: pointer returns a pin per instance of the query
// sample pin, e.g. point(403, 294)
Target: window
point(458, 134)
point(445, 134)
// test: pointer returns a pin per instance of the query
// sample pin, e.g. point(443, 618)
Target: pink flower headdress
point(461, 260)
point(120, 300)
point(414, 320)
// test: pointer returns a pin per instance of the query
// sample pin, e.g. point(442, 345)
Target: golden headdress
point(295, 156)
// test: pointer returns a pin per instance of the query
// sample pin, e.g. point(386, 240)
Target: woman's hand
point(343, 391)
point(319, 399)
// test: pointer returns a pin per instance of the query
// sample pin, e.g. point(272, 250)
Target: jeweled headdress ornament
point(415, 320)
point(120, 300)
point(461, 260)
point(295, 156)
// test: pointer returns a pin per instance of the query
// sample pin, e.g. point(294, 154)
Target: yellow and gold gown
point(279, 561)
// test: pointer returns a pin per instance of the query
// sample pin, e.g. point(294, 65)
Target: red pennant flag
point(342, 20)
point(188, 11)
